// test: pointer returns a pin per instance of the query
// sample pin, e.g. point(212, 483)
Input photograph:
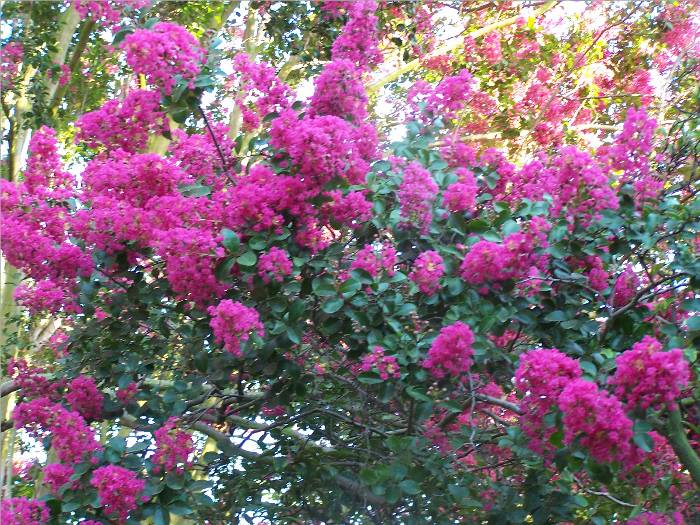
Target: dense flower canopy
point(350, 262)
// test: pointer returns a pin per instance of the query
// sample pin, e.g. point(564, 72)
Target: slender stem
point(83, 40)
point(679, 442)
point(216, 143)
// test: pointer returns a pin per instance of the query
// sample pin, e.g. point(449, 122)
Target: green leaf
point(410, 487)
point(294, 335)
point(691, 305)
point(641, 426)
point(350, 287)
point(368, 476)
point(161, 516)
point(179, 508)
point(148, 24)
point(70, 506)
point(194, 190)
point(589, 368)
point(139, 446)
point(121, 35)
point(693, 324)
point(203, 499)
point(369, 379)
point(458, 492)
point(644, 441)
point(118, 444)
point(580, 501)
point(406, 309)
point(223, 269)
point(398, 470)
point(556, 316)
point(323, 287)
point(257, 243)
point(247, 259)
point(331, 306)
point(510, 226)
point(210, 457)
point(296, 309)
point(231, 241)
point(204, 81)
point(417, 394)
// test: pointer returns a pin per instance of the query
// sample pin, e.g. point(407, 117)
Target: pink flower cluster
point(274, 264)
point(329, 143)
point(625, 287)
point(71, 438)
point(439, 63)
point(374, 259)
point(56, 475)
point(446, 99)
point(190, 257)
point(656, 518)
point(416, 195)
point(385, 365)
point(646, 376)
point(580, 190)
point(273, 410)
point(34, 235)
point(123, 124)
point(118, 489)
point(174, 448)
point(42, 296)
point(352, 209)
point(427, 271)
point(544, 373)
point(126, 394)
point(132, 178)
point(543, 102)
point(659, 463)
point(261, 88)
point(198, 156)
point(490, 48)
point(31, 382)
point(597, 276)
point(109, 12)
point(540, 378)
point(514, 258)
point(359, 38)
point(451, 352)
point(335, 8)
point(163, 52)
point(11, 55)
point(85, 398)
point(323, 148)
point(682, 28)
point(461, 195)
point(23, 511)
point(44, 167)
point(596, 421)
point(233, 323)
point(631, 152)
point(339, 92)
point(457, 154)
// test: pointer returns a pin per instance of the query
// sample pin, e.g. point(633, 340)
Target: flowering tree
point(297, 263)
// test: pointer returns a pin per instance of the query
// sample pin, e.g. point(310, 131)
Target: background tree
point(341, 262)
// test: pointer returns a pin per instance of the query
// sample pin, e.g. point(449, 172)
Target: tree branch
point(499, 402)
point(85, 33)
point(679, 442)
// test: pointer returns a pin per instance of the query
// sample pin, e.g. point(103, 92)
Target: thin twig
point(216, 143)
